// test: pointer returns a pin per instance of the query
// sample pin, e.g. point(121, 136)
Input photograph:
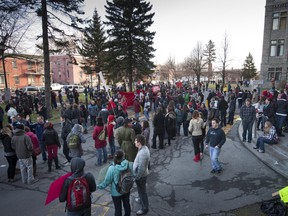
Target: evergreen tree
point(249, 69)
point(93, 46)
point(130, 45)
point(52, 27)
point(210, 55)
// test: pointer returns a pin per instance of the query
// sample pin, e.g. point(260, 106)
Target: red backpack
point(78, 195)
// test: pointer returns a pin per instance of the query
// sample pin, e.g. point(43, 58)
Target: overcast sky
point(180, 24)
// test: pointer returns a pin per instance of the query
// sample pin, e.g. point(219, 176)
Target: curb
point(271, 158)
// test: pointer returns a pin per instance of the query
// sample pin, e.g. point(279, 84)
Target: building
point(22, 70)
point(274, 54)
point(67, 69)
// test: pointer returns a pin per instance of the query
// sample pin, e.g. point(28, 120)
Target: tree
point(249, 69)
point(210, 54)
point(93, 46)
point(223, 56)
point(130, 44)
point(50, 11)
point(197, 61)
point(169, 69)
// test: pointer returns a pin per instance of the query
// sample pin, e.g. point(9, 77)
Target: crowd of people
point(176, 112)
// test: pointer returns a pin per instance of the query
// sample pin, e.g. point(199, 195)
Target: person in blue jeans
point(112, 177)
point(269, 136)
point(216, 138)
point(140, 169)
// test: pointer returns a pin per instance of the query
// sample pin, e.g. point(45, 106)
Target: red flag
point(55, 188)
point(179, 84)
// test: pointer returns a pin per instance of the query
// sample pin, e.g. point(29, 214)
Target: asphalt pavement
point(176, 184)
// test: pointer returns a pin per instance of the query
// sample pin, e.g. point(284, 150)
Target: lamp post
point(7, 93)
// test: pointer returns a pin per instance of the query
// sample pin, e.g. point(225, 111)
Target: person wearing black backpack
point(112, 178)
point(77, 189)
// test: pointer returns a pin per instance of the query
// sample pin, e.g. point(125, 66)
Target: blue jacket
point(112, 176)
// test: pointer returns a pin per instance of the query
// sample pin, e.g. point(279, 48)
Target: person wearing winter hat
point(23, 147)
point(77, 131)
point(111, 138)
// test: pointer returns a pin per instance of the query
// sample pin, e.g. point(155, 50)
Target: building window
point(17, 81)
point(275, 73)
point(29, 64)
point(81, 74)
point(2, 80)
point(31, 79)
point(277, 47)
point(59, 74)
point(14, 63)
point(279, 21)
point(68, 73)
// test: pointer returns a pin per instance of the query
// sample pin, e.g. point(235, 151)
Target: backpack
point(78, 195)
point(125, 182)
point(102, 135)
point(74, 141)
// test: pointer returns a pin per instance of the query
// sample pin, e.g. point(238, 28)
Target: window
point(29, 64)
point(31, 79)
point(275, 73)
point(2, 80)
point(277, 47)
point(59, 73)
point(14, 63)
point(279, 21)
point(17, 81)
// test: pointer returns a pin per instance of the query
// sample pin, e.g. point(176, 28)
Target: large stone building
point(274, 55)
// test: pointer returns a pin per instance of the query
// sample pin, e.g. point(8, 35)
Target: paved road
point(176, 185)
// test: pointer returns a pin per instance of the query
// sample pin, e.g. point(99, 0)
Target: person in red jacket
point(100, 145)
point(111, 125)
point(137, 108)
point(36, 145)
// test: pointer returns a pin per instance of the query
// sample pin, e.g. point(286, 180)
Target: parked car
point(79, 88)
point(30, 89)
point(56, 87)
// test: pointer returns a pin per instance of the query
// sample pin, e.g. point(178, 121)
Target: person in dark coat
point(159, 128)
point(222, 106)
point(232, 108)
point(77, 169)
point(269, 111)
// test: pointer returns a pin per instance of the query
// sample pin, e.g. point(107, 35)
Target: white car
point(79, 88)
point(56, 87)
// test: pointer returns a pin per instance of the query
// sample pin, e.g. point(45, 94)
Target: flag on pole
point(103, 81)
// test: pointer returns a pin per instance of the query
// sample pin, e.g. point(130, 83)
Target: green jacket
point(126, 137)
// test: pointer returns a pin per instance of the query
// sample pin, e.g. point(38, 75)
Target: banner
point(103, 82)
point(129, 97)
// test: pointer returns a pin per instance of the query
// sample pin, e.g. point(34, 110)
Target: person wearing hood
point(78, 131)
point(23, 147)
point(216, 138)
point(111, 138)
point(119, 164)
point(77, 170)
point(51, 141)
point(100, 145)
point(9, 153)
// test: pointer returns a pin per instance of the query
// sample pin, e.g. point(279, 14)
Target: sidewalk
point(275, 156)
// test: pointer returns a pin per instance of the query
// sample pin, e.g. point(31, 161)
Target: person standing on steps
point(248, 116)
point(216, 138)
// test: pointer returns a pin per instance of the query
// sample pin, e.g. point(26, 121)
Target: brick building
point(22, 70)
point(274, 55)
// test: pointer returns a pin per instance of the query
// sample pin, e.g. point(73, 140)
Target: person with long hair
point(269, 136)
point(112, 177)
point(9, 152)
point(195, 127)
point(170, 123)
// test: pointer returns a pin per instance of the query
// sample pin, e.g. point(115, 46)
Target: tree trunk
point(46, 58)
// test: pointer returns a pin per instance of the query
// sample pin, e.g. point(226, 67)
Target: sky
point(180, 24)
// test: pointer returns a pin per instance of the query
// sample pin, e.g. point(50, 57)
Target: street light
point(7, 93)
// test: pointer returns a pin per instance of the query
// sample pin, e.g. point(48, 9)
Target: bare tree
point(198, 61)
point(170, 68)
point(223, 57)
